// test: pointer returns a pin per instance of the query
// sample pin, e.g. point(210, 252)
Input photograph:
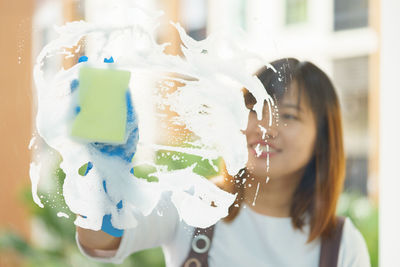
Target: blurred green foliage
point(364, 214)
point(61, 249)
point(177, 160)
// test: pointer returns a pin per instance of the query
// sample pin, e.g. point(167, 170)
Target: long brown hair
point(319, 189)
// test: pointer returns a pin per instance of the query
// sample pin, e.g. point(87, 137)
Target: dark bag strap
point(329, 254)
point(199, 247)
point(201, 244)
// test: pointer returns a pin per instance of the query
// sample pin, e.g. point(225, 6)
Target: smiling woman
point(296, 162)
point(300, 150)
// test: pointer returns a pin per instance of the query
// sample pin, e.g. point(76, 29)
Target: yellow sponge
point(103, 109)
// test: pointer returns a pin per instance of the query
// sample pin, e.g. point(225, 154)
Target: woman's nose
point(269, 131)
point(268, 124)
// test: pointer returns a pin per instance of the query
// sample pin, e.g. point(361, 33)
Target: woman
point(284, 214)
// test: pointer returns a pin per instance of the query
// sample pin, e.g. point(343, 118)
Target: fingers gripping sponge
point(103, 110)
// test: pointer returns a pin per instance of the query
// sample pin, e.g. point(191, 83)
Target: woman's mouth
point(263, 150)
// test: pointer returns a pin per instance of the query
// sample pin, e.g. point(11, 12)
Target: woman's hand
point(123, 151)
point(96, 240)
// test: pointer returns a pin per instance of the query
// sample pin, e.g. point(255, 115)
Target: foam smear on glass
point(210, 104)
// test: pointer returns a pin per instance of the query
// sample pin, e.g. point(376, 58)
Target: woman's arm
point(156, 229)
point(94, 240)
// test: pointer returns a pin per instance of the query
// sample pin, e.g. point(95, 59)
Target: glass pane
point(350, 14)
point(296, 11)
point(351, 78)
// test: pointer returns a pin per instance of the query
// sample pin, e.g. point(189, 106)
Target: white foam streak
point(34, 173)
point(193, 196)
point(263, 130)
point(62, 214)
point(258, 150)
point(256, 194)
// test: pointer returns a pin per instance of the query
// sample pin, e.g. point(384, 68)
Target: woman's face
point(284, 148)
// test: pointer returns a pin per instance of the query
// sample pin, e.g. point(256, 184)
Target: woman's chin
point(258, 173)
point(258, 166)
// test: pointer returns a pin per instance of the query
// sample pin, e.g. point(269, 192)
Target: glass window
point(194, 18)
point(350, 14)
point(351, 78)
point(296, 11)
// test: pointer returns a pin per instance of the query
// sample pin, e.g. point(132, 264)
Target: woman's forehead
point(294, 97)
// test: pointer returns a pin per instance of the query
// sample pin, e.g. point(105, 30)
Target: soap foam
point(210, 104)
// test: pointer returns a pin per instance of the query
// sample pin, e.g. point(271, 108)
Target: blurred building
point(15, 115)
point(15, 118)
point(339, 36)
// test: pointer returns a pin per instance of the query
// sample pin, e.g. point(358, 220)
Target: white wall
point(389, 205)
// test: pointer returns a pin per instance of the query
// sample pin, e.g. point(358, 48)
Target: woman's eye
point(289, 116)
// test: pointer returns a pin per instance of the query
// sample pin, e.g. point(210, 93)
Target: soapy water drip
point(256, 194)
point(263, 130)
point(210, 105)
point(259, 150)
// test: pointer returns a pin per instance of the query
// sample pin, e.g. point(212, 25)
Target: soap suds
point(210, 104)
point(62, 214)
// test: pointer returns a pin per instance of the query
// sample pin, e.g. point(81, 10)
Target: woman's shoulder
point(353, 249)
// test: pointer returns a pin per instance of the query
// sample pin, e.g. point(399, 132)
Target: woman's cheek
point(306, 145)
point(297, 141)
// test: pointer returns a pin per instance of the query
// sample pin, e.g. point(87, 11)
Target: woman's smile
point(262, 149)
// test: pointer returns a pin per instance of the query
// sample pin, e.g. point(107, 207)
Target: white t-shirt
point(251, 239)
